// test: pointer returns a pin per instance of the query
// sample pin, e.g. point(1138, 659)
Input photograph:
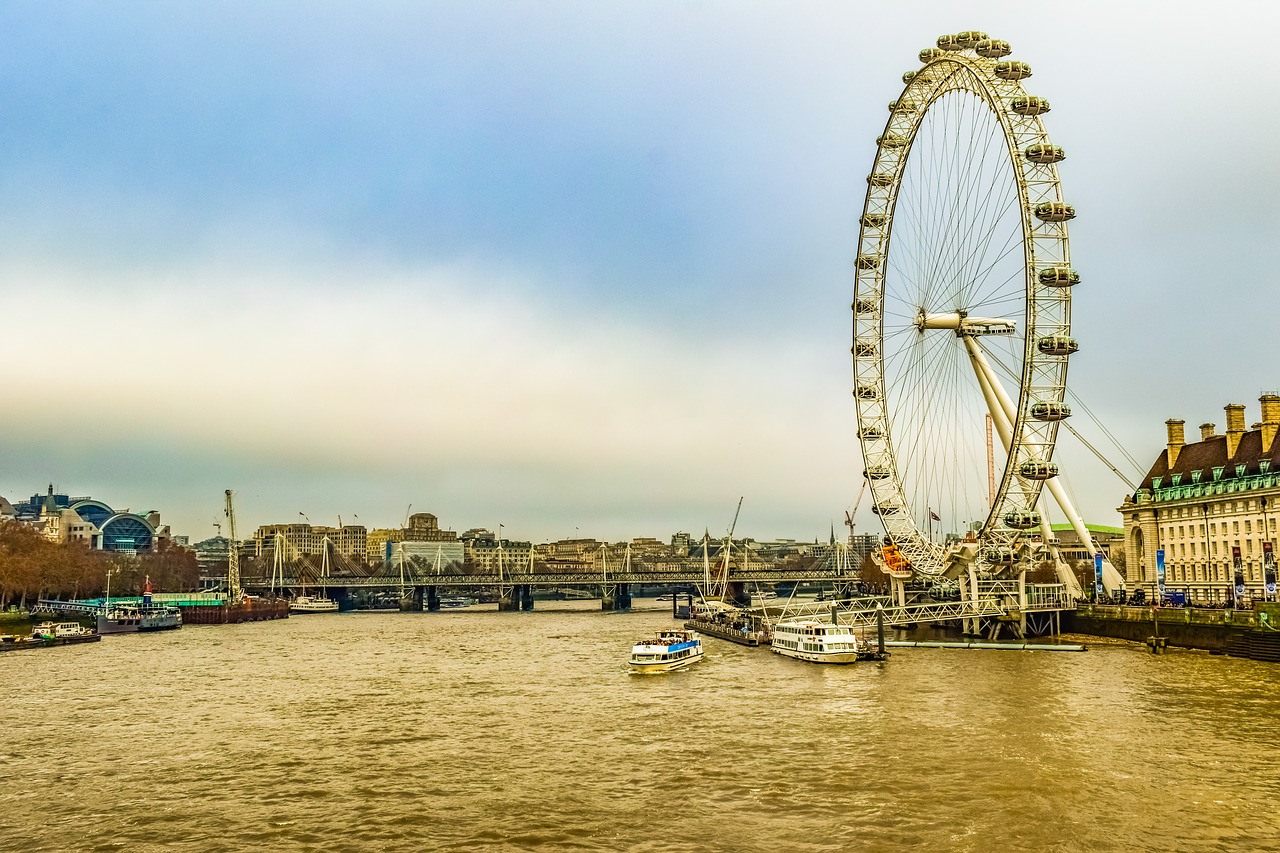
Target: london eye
point(962, 310)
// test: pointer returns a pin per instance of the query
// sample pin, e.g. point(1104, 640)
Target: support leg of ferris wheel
point(1003, 414)
point(898, 591)
point(999, 405)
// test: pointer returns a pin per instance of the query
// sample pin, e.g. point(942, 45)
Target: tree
point(171, 568)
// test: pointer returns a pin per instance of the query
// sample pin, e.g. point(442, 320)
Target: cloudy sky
point(572, 267)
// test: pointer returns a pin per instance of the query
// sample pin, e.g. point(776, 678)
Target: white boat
point(667, 651)
point(313, 604)
point(321, 603)
point(458, 601)
point(816, 642)
point(52, 630)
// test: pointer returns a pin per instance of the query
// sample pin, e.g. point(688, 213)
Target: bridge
point(515, 585)
point(985, 607)
point(1009, 605)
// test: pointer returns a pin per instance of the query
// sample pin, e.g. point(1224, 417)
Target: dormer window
point(1264, 466)
point(1195, 475)
point(1156, 481)
point(1175, 479)
point(1217, 472)
point(1240, 469)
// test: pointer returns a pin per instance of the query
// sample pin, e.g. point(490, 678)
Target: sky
point(576, 268)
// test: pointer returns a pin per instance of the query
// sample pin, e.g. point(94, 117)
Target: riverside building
point(1208, 509)
point(63, 518)
point(301, 540)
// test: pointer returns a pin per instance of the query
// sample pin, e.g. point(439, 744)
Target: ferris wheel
point(962, 309)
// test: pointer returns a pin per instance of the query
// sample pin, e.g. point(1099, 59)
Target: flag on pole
point(934, 516)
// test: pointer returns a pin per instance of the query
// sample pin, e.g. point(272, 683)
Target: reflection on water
point(478, 730)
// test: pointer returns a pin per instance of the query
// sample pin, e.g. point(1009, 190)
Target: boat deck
point(725, 632)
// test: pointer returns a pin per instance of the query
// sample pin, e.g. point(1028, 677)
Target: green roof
point(1092, 528)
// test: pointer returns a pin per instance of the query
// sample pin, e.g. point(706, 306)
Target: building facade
point(302, 540)
point(64, 518)
point(1208, 510)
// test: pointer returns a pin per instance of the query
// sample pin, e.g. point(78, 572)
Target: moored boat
point(126, 620)
point(667, 651)
point(817, 642)
point(53, 630)
point(48, 634)
point(313, 604)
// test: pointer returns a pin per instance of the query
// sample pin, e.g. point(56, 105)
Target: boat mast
point(233, 555)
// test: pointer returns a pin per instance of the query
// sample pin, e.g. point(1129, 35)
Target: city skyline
point(585, 266)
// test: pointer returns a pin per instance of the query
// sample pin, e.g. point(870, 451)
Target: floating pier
point(1024, 647)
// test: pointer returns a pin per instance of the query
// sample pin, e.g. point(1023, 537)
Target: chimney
point(1270, 419)
point(1206, 431)
point(1177, 440)
point(1235, 427)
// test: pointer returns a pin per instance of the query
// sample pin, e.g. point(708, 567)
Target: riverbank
point(1242, 633)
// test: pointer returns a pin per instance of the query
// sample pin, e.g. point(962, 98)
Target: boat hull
point(21, 643)
point(306, 604)
point(650, 668)
point(135, 623)
point(819, 657)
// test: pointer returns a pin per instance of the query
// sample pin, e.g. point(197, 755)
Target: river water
point(475, 730)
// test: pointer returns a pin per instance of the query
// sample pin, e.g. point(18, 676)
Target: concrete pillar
point(526, 597)
point(508, 599)
point(616, 597)
point(342, 595)
point(412, 602)
point(433, 599)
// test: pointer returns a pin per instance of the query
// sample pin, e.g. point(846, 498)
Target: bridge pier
point(616, 597)
point(514, 598)
point(342, 595)
point(433, 599)
point(412, 603)
point(508, 599)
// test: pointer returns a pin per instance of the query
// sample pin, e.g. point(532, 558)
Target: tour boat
point(316, 604)
point(48, 634)
point(52, 630)
point(816, 642)
point(128, 618)
point(310, 604)
point(125, 619)
point(667, 651)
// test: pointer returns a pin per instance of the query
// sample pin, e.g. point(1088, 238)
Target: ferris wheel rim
point(972, 65)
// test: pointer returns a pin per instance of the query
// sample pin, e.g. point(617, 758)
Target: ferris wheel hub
point(962, 324)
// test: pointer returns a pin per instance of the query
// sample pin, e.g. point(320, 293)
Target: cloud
point(565, 262)
point(446, 375)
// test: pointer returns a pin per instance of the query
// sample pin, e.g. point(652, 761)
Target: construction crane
point(848, 516)
point(234, 593)
point(723, 582)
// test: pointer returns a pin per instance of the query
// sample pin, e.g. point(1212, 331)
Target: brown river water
point(475, 730)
